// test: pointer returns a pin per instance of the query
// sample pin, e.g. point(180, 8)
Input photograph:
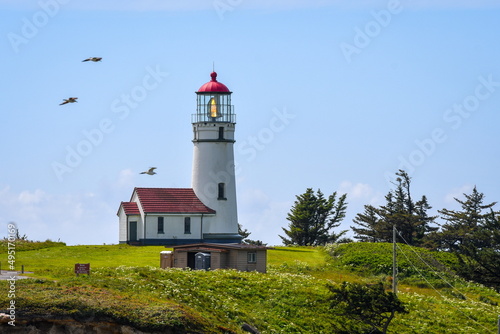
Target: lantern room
point(214, 103)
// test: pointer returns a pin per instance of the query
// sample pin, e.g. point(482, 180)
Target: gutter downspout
point(127, 237)
point(201, 228)
point(145, 221)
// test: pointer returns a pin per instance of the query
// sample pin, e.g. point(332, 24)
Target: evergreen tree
point(244, 236)
point(410, 218)
point(312, 218)
point(473, 234)
point(243, 232)
point(372, 227)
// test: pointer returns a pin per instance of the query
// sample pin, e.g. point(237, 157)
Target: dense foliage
point(312, 219)
point(472, 234)
point(415, 266)
point(127, 286)
point(369, 306)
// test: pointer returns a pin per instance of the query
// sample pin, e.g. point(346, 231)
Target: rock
point(250, 329)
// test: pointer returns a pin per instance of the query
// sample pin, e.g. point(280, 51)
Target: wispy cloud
point(126, 179)
point(360, 192)
point(72, 218)
point(31, 197)
point(262, 216)
point(458, 193)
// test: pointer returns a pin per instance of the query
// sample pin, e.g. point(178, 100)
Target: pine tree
point(243, 232)
point(312, 218)
point(371, 229)
point(473, 235)
point(410, 218)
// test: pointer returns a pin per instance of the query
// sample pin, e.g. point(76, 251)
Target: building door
point(191, 259)
point(132, 231)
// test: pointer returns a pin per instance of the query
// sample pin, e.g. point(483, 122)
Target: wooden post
point(394, 262)
point(499, 324)
point(22, 269)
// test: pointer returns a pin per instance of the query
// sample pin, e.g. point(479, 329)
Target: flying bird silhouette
point(151, 171)
point(94, 59)
point(69, 100)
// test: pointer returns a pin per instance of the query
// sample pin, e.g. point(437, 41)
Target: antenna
point(213, 66)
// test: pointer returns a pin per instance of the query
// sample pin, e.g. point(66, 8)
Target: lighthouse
point(206, 212)
point(213, 175)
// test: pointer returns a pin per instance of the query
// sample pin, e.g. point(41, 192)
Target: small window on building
point(221, 132)
point(160, 225)
point(251, 257)
point(187, 225)
point(222, 192)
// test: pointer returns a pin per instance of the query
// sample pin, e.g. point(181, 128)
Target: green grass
point(308, 255)
point(126, 285)
point(416, 266)
point(59, 261)
point(23, 245)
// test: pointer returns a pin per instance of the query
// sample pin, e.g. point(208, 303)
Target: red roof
point(218, 247)
point(170, 200)
point(131, 208)
point(213, 86)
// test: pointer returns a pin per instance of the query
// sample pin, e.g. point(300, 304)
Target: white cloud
point(27, 197)
point(255, 198)
point(458, 193)
point(73, 218)
point(126, 179)
point(262, 217)
point(355, 191)
point(360, 192)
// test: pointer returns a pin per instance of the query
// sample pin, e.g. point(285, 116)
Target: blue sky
point(330, 95)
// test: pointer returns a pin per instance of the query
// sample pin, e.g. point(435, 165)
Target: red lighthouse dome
point(213, 86)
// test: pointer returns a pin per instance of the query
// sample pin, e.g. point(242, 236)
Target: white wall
point(213, 163)
point(173, 226)
point(123, 221)
point(122, 228)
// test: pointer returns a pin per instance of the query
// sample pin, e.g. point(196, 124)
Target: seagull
point(151, 171)
point(94, 59)
point(69, 100)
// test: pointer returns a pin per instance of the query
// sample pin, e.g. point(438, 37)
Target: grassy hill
point(127, 286)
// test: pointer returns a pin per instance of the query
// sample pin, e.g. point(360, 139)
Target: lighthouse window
point(187, 225)
point(221, 132)
point(160, 225)
point(222, 194)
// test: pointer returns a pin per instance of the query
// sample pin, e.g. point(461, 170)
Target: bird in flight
point(151, 171)
point(69, 100)
point(94, 59)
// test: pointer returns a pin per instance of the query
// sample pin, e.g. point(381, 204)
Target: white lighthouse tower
point(213, 179)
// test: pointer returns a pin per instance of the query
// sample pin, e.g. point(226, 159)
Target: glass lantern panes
point(213, 107)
